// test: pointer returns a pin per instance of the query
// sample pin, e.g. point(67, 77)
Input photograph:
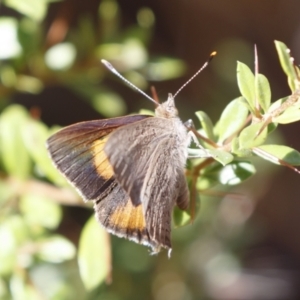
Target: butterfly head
point(167, 109)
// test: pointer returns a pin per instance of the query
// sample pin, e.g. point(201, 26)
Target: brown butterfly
point(132, 168)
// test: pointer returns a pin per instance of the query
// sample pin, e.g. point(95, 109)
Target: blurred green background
point(244, 242)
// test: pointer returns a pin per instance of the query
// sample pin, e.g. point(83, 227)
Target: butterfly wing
point(163, 185)
point(120, 217)
point(151, 170)
point(129, 150)
point(77, 152)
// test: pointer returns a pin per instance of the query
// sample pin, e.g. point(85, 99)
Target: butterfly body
point(132, 168)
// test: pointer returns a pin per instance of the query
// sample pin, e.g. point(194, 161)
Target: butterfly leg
point(195, 153)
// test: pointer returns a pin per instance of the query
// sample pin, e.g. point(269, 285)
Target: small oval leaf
point(56, 249)
point(49, 213)
point(275, 153)
point(287, 64)
point(229, 123)
point(263, 91)
point(246, 83)
point(14, 155)
point(34, 135)
point(276, 104)
point(249, 137)
point(236, 172)
point(94, 254)
point(206, 124)
point(223, 157)
point(290, 115)
point(165, 68)
point(35, 9)
point(181, 217)
point(109, 104)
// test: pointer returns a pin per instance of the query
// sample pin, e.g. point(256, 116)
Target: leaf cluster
point(243, 130)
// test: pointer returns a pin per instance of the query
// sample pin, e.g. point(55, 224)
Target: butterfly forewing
point(77, 151)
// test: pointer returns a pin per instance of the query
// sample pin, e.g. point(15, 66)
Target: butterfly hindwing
point(119, 216)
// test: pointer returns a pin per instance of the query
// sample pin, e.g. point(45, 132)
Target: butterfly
point(131, 167)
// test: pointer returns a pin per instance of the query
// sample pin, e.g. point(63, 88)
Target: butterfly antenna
point(197, 73)
point(113, 70)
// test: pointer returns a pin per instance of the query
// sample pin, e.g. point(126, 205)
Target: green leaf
point(181, 217)
point(263, 91)
point(223, 157)
point(41, 211)
point(276, 104)
point(21, 289)
point(244, 153)
point(236, 172)
point(108, 11)
point(8, 75)
point(235, 144)
point(7, 250)
point(14, 155)
point(29, 84)
point(233, 118)
point(209, 176)
point(132, 54)
point(249, 138)
point(3, 290)
point(109, 104)
point(35, 135)
point(10, 46)
point(232, 174)
point(146, 112)
point(246, 83)
point(272, 127)
point(35, 9)
point(165, 68)
point(13, 233)
point(287, 64)
point(206, 124)
point(31, 37)
point(290, 115)
point(145, 17)
point(206, 182)
point(137, 79)
point(56, 249)
point(60, 56)
point(275, 153)
point(7, 192)
point(93, 254)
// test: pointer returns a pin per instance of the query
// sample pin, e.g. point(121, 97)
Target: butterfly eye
point(172, 110)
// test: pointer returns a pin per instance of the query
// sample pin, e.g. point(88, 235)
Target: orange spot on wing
point(101, 161)
point(129, 217)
